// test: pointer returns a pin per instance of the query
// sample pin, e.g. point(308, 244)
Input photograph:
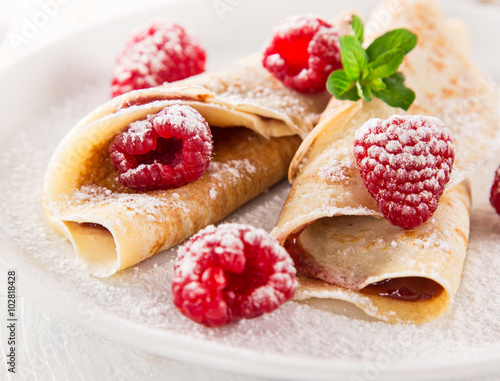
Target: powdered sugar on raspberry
point(167, 150)
point(296, 22)
point(157, 53)
point(138, 130)
point(302, 52)
point(231, 272)
point(405, 163)
point(186, 118)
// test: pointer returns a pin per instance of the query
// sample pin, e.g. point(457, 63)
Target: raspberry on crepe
point(302, 53)
point(405, 163)
point(164, 151)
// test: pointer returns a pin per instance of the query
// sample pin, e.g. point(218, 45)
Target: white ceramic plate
point(46, 92)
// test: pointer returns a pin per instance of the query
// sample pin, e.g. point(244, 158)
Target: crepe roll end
point(96, 247)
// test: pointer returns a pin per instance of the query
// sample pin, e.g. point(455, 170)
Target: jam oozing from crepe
point(92, 225)
point(410, 289)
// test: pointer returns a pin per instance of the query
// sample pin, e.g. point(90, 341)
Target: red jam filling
point(410, 289)
point(92, 225)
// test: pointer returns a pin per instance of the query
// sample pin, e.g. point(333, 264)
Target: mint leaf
point(357, 28)
point(364, 91)
point(341, 87)
point(395, 39)
point(374, 71)
point(354, 58)
point(398, 76)
point(386, 64)
point(377, 84)
point(396, 94)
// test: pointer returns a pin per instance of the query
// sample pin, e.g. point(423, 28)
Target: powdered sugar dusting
point(435, 240)
point(336, 171)
point(138, 130)
point(184, 118)
point(236, 168)
point(132, 204)
point(297, 22)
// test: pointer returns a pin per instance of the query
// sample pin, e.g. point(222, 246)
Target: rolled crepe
point(256, 123)
point(342, 247)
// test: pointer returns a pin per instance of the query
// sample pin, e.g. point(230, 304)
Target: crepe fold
point(256, 125)
point(342, 246)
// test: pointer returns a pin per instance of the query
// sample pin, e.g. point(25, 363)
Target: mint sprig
point(373, 71)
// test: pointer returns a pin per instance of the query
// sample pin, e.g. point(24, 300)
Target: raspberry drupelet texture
point(405, 163)
point(160, 52)
point(166, 150)
point(231, 272)
point(495, 191)
point(302, 53)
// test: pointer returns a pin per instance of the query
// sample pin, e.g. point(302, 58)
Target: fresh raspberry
point(405, 163)
point(231, 272)
point(302, 53)
point(495, 191)
point(164, 151)
point(158, 53)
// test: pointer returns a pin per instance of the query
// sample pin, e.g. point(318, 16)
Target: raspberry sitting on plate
point(495, 191)
point(231, 272)
point(302, 53)
point(405, 163)
point(164, 151)
point(158, 53)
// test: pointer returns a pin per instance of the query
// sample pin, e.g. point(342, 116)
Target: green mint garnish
point(357, 28)
point(373, 71)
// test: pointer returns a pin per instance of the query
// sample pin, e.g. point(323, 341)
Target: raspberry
point(405, 163)
point(495, 191)
point(158, 53)
point(164, 151)
point(302, 53)
point(231, 272)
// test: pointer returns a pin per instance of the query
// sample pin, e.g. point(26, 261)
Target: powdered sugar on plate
point(142, 297)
